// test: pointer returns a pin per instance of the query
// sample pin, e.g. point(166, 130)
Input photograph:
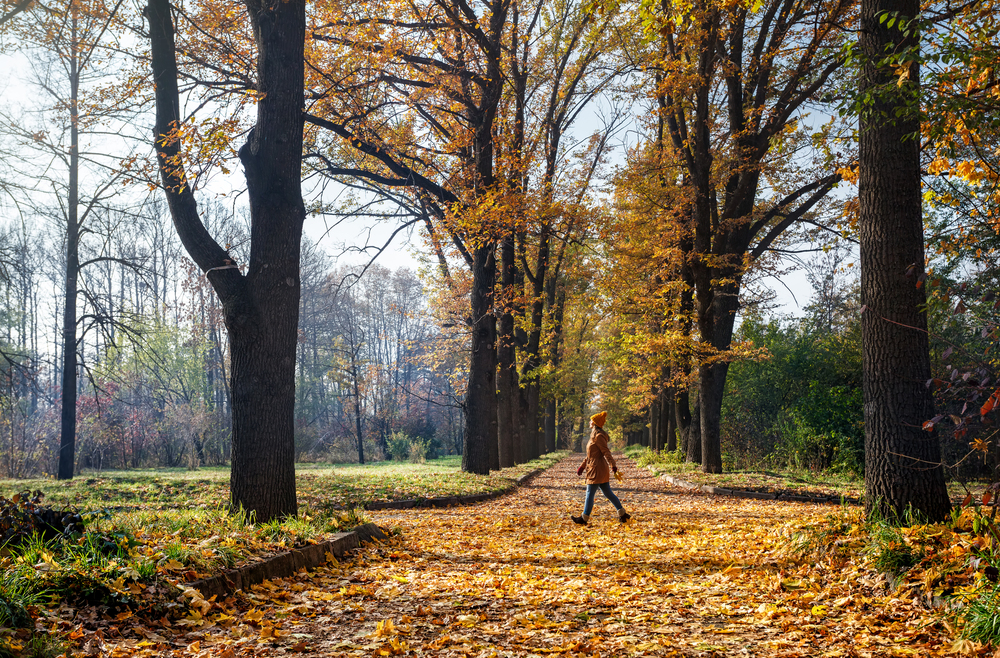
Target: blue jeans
point(605, 487)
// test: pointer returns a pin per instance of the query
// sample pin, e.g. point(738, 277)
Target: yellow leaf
point(254, 615)
point(384, 628)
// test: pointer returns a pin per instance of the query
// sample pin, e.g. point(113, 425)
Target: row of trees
point(465, 121)
point(731, 120)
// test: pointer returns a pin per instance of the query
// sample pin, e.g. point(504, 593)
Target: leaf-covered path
point(690, 575)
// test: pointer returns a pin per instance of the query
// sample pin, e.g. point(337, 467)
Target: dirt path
point(690, 575)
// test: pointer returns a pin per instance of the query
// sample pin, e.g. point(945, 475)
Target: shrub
point(399, 446)
point(23, 515)
point(418, 452)
point(644, 456)
point(807, 445)
point(432, 436)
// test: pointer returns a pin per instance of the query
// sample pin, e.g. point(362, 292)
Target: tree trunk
point(505, 410)
point(670, 404)
point(507, 370)
point(682, 413)
point(694, 436)
point(713, 382)
point(558, 306)
point(661, 422)
point(716, 326)
point(67, 430)
point(358, 427)
point(902, 462)
point(654, 424)
point(517, 422)
point(261, 308)
point(522, 425)
point(550, 426)
point(535, 437)
point(481, 399)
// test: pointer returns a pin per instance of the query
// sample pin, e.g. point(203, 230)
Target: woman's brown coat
point(598, 462)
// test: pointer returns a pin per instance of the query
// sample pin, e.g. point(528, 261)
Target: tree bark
point(550, 425)
point(261, 308)
point(481, 399)
point(654, 424)
point(670, 404)
point(903, 468)
point(67, 429)
point(358, 427)
point(694, 437)
point(535, 437)
point(507, 366)
point(716, 325)
point(557, 302)
point(522, 425)
point(683, 415)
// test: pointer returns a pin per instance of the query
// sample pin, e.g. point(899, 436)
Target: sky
point(343, 241)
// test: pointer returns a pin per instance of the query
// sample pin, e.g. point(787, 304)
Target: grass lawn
point(321, 487)
point(788, 481)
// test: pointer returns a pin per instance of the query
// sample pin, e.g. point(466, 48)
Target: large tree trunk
point(481, 399)
point(902, 462)
point(264, 333)
point(716, 326)
point(713, 382)
point(261, 308)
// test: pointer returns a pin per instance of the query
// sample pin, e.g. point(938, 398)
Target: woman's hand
point(579, 471)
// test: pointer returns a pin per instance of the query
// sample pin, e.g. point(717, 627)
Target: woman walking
point(596, 462)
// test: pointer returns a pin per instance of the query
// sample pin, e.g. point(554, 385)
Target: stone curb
point(448, 501)
point(759, 495)
point(288, 563)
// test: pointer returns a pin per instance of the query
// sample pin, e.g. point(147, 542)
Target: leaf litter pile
point(689, 575)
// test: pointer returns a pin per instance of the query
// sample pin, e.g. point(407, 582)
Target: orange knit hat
point(599, 418)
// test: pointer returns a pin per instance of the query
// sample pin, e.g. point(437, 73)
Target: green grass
point(320, 486)
point(789, 481)
point(152, 488)
point(981, 617)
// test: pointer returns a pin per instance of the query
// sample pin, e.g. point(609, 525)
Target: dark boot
point(623, 516)
point(581, 520)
